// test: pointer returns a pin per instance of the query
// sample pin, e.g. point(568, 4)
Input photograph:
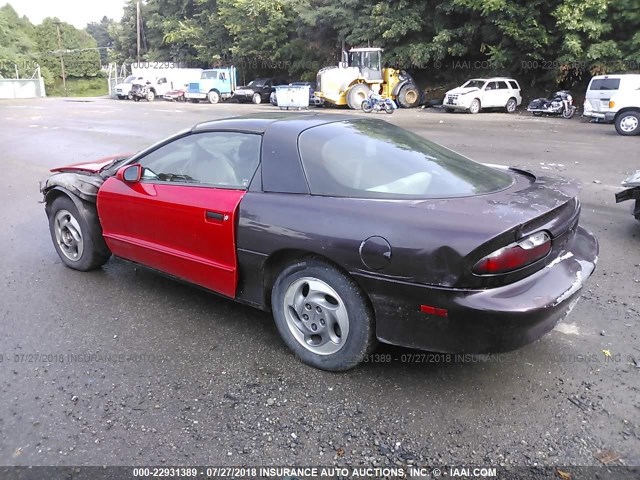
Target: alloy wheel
point(316, 316)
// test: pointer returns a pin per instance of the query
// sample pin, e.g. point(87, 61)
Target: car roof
point(491, 79)
point(258, 123)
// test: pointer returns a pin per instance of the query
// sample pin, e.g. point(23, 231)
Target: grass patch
point(80, 87)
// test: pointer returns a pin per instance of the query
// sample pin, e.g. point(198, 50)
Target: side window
point(219, 159)
point(490, 86)
point(223, 76)
point(502, 86)
point(161, 81)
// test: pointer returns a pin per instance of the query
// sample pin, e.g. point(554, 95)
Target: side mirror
point(130, 173)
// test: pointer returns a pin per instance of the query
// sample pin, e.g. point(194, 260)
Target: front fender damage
point(84, 186)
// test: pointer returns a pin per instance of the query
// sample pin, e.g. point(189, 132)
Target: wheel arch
point(53, 193)
point(627, 110)
point(87, 209)
point(281, 259)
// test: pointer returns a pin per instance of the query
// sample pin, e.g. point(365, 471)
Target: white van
point(602, 87)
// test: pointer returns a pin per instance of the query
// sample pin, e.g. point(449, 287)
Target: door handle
point(216, 216)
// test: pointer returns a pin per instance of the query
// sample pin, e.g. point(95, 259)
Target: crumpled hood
point(91, 167)
point(632, 181)
point(462, 91)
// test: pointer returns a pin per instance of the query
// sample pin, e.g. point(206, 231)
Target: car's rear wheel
point(74, 238)
point(628, 123)
point(322, 315)
point(512, 105)
point(151, 96)
point(475, 106)
point(257, 98)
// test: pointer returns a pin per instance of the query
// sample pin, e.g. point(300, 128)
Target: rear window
point(605, 84)
point(514, 85)
point(374, 159)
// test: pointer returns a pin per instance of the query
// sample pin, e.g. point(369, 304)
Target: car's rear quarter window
point(374, 159)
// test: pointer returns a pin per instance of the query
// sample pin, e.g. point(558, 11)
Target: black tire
point(408, 96)
point(94, 252)
point(388, 108)
point(568, 113)
point(356, 95)
point(360, 339)
point(625, 123)
point(511, 106)
point(367, 107)
point(256, 99)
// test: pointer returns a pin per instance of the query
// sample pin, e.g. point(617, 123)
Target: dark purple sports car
point(349, 230)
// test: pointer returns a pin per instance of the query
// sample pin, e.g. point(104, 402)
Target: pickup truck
point(214, 85)
point(157, 87)
point(624, 111)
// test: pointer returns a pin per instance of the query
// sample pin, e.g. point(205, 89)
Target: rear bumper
point(483, 321)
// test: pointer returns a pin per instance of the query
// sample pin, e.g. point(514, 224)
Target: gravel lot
point(135, 369)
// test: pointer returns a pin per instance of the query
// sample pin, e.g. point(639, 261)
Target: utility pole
point(138, 27)
point(64, 77)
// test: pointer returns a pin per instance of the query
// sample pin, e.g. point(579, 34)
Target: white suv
point(624, 111)
point(481, 93)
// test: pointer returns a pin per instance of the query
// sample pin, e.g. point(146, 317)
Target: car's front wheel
point(76, 241)
point(475, 106)
point(256, 99)
point(213, 97)
point(628, 123)
point(322, 315)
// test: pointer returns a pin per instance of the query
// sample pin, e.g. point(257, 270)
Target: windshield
point(374, 159)
point(129, 79)
point(258, 82)
point(209, 74)
point(474, 84)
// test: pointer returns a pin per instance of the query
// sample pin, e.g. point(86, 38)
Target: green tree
point(100, 32)
point(78, 48)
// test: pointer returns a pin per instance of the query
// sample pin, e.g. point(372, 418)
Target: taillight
point(515, 256)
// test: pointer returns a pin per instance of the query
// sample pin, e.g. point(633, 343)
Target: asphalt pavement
point(123, 366)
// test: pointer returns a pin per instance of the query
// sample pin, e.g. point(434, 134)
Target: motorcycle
point(632, 192)
point(140, 91)
point(375, 103)
point(560, 104)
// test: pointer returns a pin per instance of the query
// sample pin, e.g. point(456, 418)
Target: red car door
point(180, 217)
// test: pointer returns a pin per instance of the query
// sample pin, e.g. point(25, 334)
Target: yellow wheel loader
point(361, 72)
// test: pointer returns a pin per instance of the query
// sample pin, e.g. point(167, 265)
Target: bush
point(79, 87)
